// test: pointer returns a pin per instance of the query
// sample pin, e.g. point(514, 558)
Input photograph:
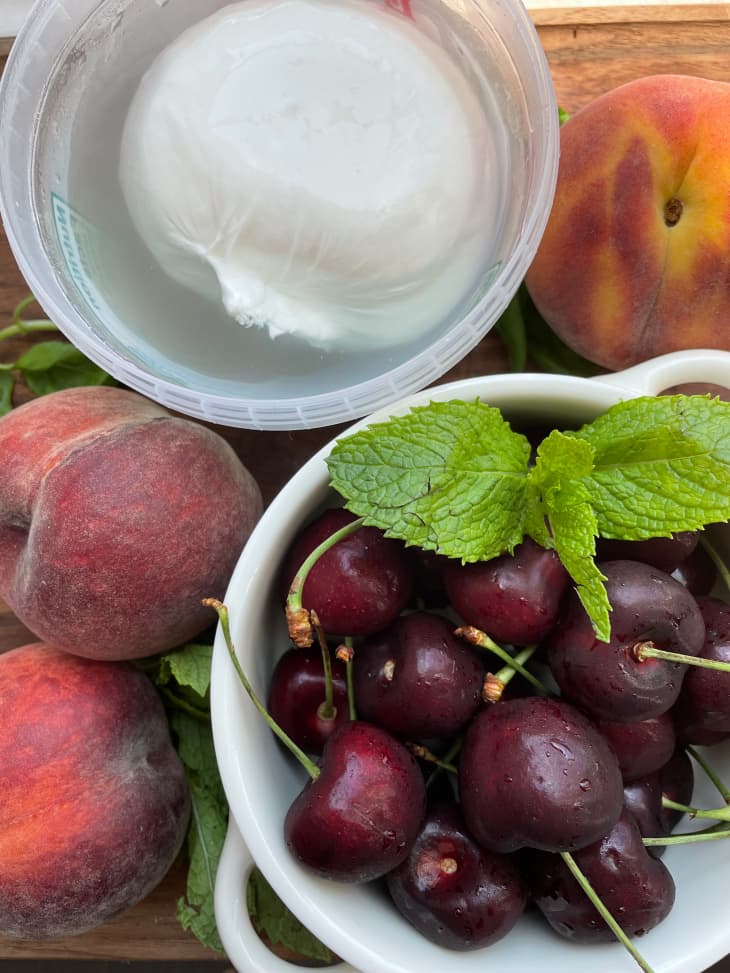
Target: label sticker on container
point(80, 242)
point(402, 6)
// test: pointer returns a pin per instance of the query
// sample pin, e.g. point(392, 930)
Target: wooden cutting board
point(590, 50)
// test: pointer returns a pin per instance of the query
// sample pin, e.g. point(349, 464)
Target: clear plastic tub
point(63, 98)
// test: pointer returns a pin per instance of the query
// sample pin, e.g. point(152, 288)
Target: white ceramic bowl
point(358, 923)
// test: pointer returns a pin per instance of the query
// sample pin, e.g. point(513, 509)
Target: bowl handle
point(656, 374)
point(239, 938)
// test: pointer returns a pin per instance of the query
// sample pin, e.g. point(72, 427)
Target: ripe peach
point(635, 260)
point(116, 519)
point(94, 803)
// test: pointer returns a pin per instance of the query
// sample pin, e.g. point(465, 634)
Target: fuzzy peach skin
point(116, 519)
point(635, 260)
point(94, 802)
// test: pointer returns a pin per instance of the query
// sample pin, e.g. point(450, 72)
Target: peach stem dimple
point(673, 209)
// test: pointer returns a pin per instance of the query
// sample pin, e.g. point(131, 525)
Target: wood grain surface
point(590, 51)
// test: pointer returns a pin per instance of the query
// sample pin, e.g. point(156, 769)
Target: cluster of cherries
point(468, 792)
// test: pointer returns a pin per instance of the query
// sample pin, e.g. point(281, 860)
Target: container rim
point(310, 411)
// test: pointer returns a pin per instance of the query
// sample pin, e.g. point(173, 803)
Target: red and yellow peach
point(116, 519)
point(635, 259)
point(94, 803)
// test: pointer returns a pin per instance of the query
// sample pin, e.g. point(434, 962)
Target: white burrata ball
point(321, 168)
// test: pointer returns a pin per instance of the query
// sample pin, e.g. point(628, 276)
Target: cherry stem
point(179, 703)
point(425, 754)
point(447, 759)
point(718, 814)
point(326, 710)
point(18, 326)
point(722, 568)
point(711, 834)
point(23, 305)
point(605, 914)
point(646, 650)
point(26, 327)
point(483, 641)
point(711, 774)
point(309, 765)
point(346, 654)
point(298, 620)
point(495, 683)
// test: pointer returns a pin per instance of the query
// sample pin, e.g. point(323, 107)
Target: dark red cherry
point(604, 678)
point(358, 819)
point(429, 589)
point(358, 586)
point(643, 798)
point(704, 702)
point(417, 679)
point(697, 572)
point(699, 388)
point(665, 553)
point(696, 736)
point(536, 773)
point(297, 694)
point(513, 598)
point(452, 891)
point(641, 747)
point(636, 888)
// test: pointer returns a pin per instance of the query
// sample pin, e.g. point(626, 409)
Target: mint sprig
point(660, 462)
point(280, 927)
point(54, 365)
point(453, 477)
point(47, 366)
point(207, 829)
point(183, 679)
point(450, 476)
point(561, 516)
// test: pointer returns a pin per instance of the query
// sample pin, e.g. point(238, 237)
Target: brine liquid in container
point(187, 333)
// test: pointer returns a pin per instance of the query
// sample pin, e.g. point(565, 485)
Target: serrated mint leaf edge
point(628, 512)
point(188, 666)
point(405, 506)
point(282, 928)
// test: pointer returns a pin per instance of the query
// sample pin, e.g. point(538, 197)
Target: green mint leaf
point(559, 482)
point(188, 666)
point(278, 925)
point(563, 116)
point(46, 355)
point(661, 465)
point(574, 528)
point(558, 460)
point(200, 923)
point(450, 477)
point(536, 516)
point(196, 910)
point(195, 749)
point(207, 830)
point(560, 455)
point(7, 384)
point(53, 365)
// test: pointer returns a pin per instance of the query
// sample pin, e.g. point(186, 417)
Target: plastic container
point(358, 922)
point(69, 78)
